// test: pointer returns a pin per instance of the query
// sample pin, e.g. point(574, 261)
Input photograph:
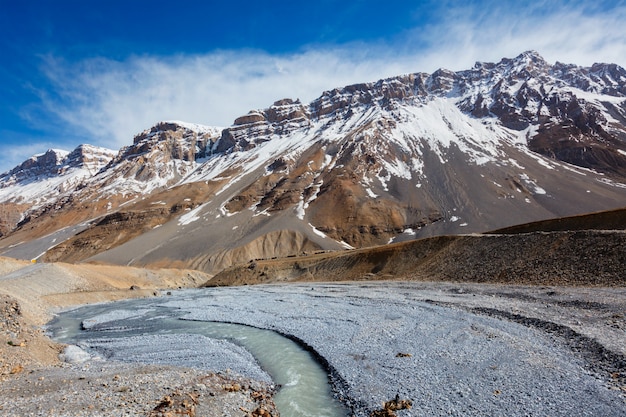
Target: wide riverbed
point(377, 341)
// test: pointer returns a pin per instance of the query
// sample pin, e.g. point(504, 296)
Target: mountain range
point(410, 156)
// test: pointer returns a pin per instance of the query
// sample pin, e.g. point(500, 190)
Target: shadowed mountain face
point(411, 156)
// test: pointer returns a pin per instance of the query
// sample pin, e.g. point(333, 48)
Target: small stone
point(17, 369)
point(232, 387)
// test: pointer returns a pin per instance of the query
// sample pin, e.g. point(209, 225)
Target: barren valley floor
point(465, 349)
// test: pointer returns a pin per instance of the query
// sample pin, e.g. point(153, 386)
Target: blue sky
point(100, 71)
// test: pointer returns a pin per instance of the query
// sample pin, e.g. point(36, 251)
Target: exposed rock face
point(281, 119)
point(159, 157)
point(56, 163)
point(10, 215)
point(46, 164)
point(410, 156)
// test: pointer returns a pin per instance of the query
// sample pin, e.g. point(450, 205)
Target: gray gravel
point(111, 389)
point(459, 363)
point(424, 343)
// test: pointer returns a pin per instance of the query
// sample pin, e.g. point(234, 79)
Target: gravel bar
point(386, 340)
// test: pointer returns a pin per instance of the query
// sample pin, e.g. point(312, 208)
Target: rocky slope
point(586, 258)
point(407, 157)
point(583, 250)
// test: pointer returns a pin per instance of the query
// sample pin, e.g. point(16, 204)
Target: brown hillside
point(114, 229)
point(552, 258)
point(603, 220)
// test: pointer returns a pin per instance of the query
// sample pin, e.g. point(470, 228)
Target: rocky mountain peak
point(287, 111)
point(55, 163)
point(609, 72)
point(530, 57)
point(92, 158)
point(280, 119)
point(159, 157)
point(441, 82)
point(607, 79)
point(41, 165)
point(47, 178)
point(611, 76)
point(341, 103)
point(524, 67)
point(281, 112)
point(172, 140)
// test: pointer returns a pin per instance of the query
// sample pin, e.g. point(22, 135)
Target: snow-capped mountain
point(158, 158)
point(414, 155)
point(39, 181)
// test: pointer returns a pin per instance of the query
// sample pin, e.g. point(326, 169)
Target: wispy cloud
point(16, 154)
point(579, 32)
point(118, 99)
point(110, 101)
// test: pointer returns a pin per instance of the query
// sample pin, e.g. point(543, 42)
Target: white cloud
point(110, 101)
point(14, 154)
point(566, 31)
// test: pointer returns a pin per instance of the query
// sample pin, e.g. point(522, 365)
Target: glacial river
point(116, 331)
point(376, 341)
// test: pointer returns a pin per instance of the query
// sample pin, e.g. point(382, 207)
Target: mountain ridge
point(406, 157)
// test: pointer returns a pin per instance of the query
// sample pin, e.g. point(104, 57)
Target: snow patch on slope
point(303, 205)
point(191, 216)
point(440, 124)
